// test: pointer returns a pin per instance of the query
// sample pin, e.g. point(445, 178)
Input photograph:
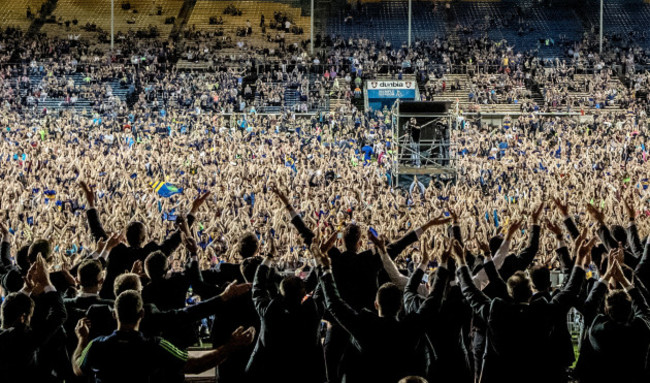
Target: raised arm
point(567, 220)
point(306, 233)
point(481, 278)
point(261, 296)
point(5, 250)
point(479, 302)
point(431, 306)
point(394, 249)
point(345, 315)
point(94, 223)
point(568, 295)
point(203, 309)
point(413, 285)
point(632, 233)
point(49, 311)
point(170, 244)
point(603, 231)
point(239, 339)
point(520, 262)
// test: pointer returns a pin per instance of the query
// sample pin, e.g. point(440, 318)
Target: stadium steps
point(538, 98)
point(291, 97)
point(13, 13)
point(182, 19)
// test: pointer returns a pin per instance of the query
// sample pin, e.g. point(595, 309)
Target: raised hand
point(82, 329)
point(380, 243)
point(629, 207)
point(454, 215)
point(445, 255)
point(4, 233)
point(196, 204)
point(39, 275)
point(459, 252)
point(327, 245)
point(483, 246)
point(596, 214)
point(424, 261)
point(321, 258)
point(619, 276)
point(555, 229)
point(273, 251)
point(582, 250)
point(563, 208)
point(88, 192)
point(234, 290)
point(440, 220)
point(114, 240)
point(537, 213)
point(281, 196)
point(190, 243)
point(241, 338)
point(137, 268)
point(514, 227)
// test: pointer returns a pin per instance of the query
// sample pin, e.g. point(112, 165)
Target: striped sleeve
point(83, 359)
point(172, 350)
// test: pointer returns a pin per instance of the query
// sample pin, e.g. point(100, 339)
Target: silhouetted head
point(541, 277)
point(413, 379)
point(519, 287)
point(39, 246)
point(618, 306)
point(129, 308)
point(126, 281)
point(156, 265)
point(89, 273)
point(22, 258)
point(136, 233)
point(248, 245)
point(388, 301)
point(352, 237)
point(292, 289)
point(17, 310)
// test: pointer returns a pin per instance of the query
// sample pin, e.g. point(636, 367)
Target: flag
point(165, 189)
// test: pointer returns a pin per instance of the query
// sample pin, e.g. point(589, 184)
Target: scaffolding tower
point(430, 156)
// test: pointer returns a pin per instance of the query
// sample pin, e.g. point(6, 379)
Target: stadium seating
point(13, 13)
point(139, 16)
point(251, 11)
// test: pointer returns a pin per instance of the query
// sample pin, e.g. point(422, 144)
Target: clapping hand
point(82, 329)
point(234, 290)
point(321, 258)
point(596, 214)
point(196, 204)
point(458, 252)
point(241, 338)
point(89, 193)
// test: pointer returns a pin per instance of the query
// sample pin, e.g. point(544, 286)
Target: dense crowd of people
point(179, 215)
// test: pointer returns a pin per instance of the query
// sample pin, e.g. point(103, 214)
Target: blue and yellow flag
point(165, 189)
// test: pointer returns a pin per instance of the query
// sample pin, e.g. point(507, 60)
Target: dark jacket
point(288, 346)
point(518, 334)
point(389, 348)
point(356, 274)
point(624, 345)
point(21, 349)
point(122, 257)
point(451, 358)
point(241, 312)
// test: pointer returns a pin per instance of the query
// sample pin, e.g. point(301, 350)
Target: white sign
point(391, 85)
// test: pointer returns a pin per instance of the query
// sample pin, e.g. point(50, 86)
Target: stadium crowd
point(156, 222)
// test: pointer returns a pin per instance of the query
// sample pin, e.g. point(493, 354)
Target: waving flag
point(165, 189)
